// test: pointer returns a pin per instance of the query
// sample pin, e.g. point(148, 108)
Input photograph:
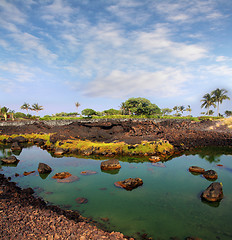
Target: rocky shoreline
point(23, 216)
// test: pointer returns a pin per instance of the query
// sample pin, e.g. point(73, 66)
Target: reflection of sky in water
point(167, 205)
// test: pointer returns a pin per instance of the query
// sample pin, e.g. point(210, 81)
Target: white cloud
point(164, 83)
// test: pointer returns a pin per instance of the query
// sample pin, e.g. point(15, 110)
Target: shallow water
point(167, 205)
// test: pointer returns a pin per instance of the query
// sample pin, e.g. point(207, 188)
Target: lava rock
point(62, 175)
point(110, 164)
point(210, 174)
point(213, 193)
point(69, 179)
point(10, 160)
point(130, 183)
point(15, 146)
point(81, 200)
point(196, 169)
point(44, 168)
point(88, 172)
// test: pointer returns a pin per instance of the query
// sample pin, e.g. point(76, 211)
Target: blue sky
point(101, 52)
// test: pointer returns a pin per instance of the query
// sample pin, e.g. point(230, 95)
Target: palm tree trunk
point(218, 109)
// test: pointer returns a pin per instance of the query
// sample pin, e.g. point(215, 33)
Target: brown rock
point(196, 169)
point(154, 159)
point(44, 168)
point(10, 160)
point(110, 164)
point(59, 151)
point(28, 173)
point(62, 175)
point(81, 200)
point(213, 193)
point(129, 183)
point(15, 147)
point(210, 174)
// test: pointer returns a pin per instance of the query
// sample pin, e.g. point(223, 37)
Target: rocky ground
point(23, 216)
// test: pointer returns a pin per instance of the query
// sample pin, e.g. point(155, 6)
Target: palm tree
point(181, 109)
point(12, 114)
point(189, 110)
point(25, 106)
point(77, 104)
point(36, 107)
point(208, 101)
point(218, 96)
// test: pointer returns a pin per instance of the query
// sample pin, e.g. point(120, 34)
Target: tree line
point(131, 107)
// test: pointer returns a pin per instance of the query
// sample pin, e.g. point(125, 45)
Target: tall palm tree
point(25, 106)
point(208, 101)
point(36, 107)
point(181, 109)
point(4, 111)
point(218, 96)
point(189, 109)
point(77, 104)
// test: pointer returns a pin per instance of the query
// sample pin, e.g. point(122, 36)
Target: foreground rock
point(110, 164)
point(130, 183)
point(196, 169)
point(22, 216)
point(213, 193)
point(62, 175)
point(210, 174)
point(154, 159)
point(10, 160)
point(44, 168)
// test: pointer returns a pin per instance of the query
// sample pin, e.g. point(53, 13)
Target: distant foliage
point(139, 106)
point(88, 112)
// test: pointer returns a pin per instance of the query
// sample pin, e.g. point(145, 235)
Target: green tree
point(208, 101)
point(181, 109)
point(188, 109)
point(36, 107)
point(218, 96)
point(88, 112)
point(228, 113)
point(140, 106)
point(12, 112)
point(25, 106)
point(166, 111)
point(111, 112)
point(4, 111)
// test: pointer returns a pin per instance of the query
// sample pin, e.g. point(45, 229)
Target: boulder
point(213, 193)
point(129, 183)
point(62, 175)
point(210, 174)
point(10, 160)
point(44, 168)
point(15, 146)
point(110, 164)
point(28, 173)
point(196, 169)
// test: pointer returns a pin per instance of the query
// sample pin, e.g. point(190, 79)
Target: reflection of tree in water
point(210, 154)
point(5, 152)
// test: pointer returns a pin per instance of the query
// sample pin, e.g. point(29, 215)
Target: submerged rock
point(10, 160)
point(68, 179)
point(62, 175)
point(213, 193)
point(210, 174)
point(59, 151)
point(88, 172)
point(154, 159)
point(110, 164)
point(196, 169)
point(81, 200)
point(44, 168)
point(129, 183)
point(28, 173)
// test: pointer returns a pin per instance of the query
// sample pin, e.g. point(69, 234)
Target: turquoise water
point(167, 205)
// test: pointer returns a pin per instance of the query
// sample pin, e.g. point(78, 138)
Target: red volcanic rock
point(62, 175)
point(210, 174)
point(28, 173)
point(129, 183)
point(10, 160)
point(154, 159)
point(44, 168)
point(68, 179)
point(110, 164)
point(81, 200)
point(213, 193)
point(196, 169)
